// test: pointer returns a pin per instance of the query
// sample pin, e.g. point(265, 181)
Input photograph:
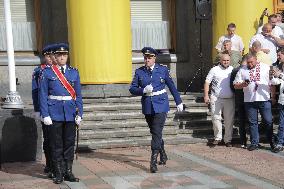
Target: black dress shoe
point(252, 147)
point(277, 149)
point(51, 175)
point(58, 179)
point(153, 163)
point(163, 157)
point(229, 144)
point(46, 169)
point(69, 176)
point(216, 142)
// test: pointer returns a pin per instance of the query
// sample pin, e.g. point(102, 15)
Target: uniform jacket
point(60, 110)
point(159, 80)
point(35, 87)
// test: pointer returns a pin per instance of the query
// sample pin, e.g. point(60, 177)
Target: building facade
point(185, 42)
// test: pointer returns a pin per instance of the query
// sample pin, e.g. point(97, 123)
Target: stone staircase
point(119, 122)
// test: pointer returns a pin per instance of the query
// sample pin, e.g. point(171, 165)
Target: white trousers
point(227, 107)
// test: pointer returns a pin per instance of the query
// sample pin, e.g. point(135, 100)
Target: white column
point(13, 99)
point(10, 46)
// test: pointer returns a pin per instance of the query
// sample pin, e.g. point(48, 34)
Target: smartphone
point(247, 81)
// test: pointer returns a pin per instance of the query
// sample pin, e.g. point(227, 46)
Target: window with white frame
point(23, 25)
point(150, 24)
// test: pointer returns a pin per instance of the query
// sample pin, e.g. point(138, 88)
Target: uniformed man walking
point(46, 52)
point(149, 82)
point(61, 108)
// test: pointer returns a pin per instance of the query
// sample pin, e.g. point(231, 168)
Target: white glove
point(180, 107)
point(78, 120)
point(47, 121)
point(36, 115)
point(148, 89)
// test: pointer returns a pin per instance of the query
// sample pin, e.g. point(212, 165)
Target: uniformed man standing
point(46, 52)
point(61, 108)
point(149, 82)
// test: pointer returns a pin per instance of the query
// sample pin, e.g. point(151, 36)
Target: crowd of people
point(247, 84)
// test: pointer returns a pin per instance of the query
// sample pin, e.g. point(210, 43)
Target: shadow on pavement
point(122, 158)
point(33, 169)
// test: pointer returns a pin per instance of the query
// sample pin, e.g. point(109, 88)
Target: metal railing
point(197, 72)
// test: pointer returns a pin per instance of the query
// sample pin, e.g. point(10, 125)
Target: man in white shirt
point(276, 30)
point(279, 20)
point(254, 80)
point(260, 55)
point(237, 42)
point(278, 79)
point(269, 42)
point(236, 56)
point(221, 99)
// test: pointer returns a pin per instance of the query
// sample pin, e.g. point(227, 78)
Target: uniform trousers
point(46, 148)
point(156, 124)
point(62, 140)
point(227, 106)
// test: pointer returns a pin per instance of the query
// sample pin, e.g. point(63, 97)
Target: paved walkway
point(194, 166)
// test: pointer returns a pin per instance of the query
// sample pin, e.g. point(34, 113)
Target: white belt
point(59, 97)
point(156, 93)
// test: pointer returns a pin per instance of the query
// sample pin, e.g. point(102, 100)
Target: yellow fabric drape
point(100, 40)
point(244, 13)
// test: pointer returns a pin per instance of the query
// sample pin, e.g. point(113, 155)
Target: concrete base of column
point(20, 136)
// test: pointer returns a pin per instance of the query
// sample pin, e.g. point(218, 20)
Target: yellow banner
point(100, 40)
point(244, 13)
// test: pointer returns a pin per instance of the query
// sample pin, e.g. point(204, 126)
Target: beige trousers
point(227, 107)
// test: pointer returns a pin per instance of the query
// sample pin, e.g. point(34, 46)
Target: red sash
point(64, 81)
point(43, 66)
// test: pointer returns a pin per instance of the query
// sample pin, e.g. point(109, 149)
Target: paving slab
point(195, 166)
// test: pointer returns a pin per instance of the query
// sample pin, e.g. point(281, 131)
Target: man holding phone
point(255, 82)
point(277, 78)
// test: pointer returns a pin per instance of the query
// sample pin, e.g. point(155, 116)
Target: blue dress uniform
point(57, 104)
point(156, 104)
point(47, 50)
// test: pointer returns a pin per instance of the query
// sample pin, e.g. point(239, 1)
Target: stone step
point(107, 125)
point(111, 111)
point(90, 134)
point(195, 123)
point(177, 116)
point(135, 141)
point(115, 116)
point(85, 145)
point(203, 131)
point(136, 106)
point(132, 99)
point(141, 124)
